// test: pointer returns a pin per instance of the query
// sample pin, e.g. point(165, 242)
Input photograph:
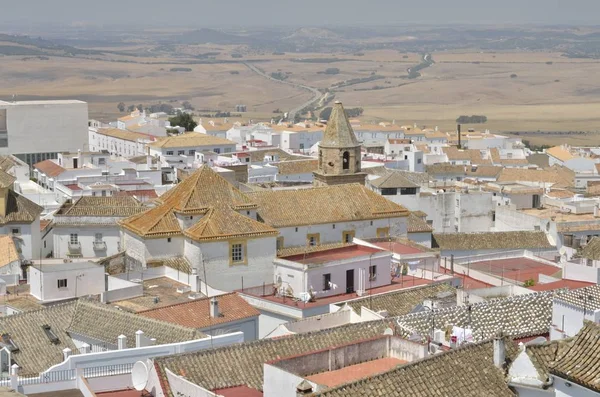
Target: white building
point(336, 271)
point(20, 218)
point(182, 149)
point(37, 130)
point(88, 227)
point(58, 282)
point(118, 142)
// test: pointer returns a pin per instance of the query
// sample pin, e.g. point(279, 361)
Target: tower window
point(346, 160)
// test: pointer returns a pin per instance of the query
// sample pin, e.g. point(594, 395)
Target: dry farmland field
point(517, 91)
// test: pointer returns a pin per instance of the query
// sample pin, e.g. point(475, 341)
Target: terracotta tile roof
point(242, 364)
point(7, 162)
point(481, 171)
point(258, 156)
point(8, 251)
point(416, 224)
point(44, 224)
point(396, 141)
point(560, 153)
point(224, 224)
point(297, 167)
point(204, 189)
point(6, 180)
point(592, 249)
point(190, 139)
point(196, 195)
point(560, 284)
point(101, 206)
point(557, 176)
point(418, 178)
point(104, 323)
point(579, 362)
point(399, 303)
point(175, 262)
point(139, 193)
point(544, 354)
point(339, 132)
point(468, 371)
point(49, 167)
point(340, 203)
point(517, 316)
point(491, 240)
point(124, 135)
point(196, 313)
point(588, 296)
point(556, 193)
point(393, 179)
point(20, 209)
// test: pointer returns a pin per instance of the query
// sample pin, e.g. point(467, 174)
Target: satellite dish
point(139, 375)
point(388, 331)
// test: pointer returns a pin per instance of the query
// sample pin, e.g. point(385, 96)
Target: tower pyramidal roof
point(339, 132)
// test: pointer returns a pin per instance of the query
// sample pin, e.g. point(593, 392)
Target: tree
point(529, 283)
point(121, 107)
point(187, 105)
point(332, 71)
point(130, 108)
point(140, 107)
point(183, 120)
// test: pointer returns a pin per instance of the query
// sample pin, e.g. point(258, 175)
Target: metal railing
point(107, 370)
point(99, 245)
point(48, 377)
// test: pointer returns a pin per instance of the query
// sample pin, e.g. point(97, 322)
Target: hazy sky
point(301, 12)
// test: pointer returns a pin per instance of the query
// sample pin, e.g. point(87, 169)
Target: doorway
point(350, 281)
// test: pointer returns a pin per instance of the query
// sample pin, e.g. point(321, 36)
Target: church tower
point(339, 152)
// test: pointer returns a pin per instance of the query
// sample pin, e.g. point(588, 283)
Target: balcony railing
point(74, 249)
point(99, 246)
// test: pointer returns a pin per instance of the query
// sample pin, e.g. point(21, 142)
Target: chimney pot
point(66, 353)
point(214, 308)
point(499, 351)
point(139, 334)
point(122, 342)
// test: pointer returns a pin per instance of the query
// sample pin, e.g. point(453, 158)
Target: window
point(62, 283)
point(419, 161)
point(334, 225)
point(73, 238)
point(372, 272)
point(98, 237)
point(94, 194)
point(191, 152)
point(327, 282)
point(568, 240)
point(44, 243)
point(408, 191)
point(296, 230)
point(405, 157)
point(169, 152)
point(383, 232)
point(168, 239)
point(279, 243)
point(313, 239)
point(15, 230)
point(217, 150)
point(104, 193)
point(101, 161)
point(347, 236)
point(346, 161)
point(389, 191)
point(237, 253)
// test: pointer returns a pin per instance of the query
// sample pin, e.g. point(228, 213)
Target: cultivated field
point(548, 92)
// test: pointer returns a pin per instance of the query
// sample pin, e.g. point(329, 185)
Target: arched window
point(346, 161)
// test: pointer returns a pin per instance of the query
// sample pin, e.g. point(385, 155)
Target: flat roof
point(62, 267)
point(334, 254)
point(519, 269)
point(162, 288)
point(355, 372)
point(399, 248)
point(569, 284)
point(48, 102)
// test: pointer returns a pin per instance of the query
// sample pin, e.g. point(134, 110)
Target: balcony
point(74, 250)
point(99, 246)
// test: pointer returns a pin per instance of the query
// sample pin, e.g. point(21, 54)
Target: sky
point(214, 13)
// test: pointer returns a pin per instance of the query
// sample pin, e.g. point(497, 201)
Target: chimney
point(499, 351)
point(122, 342)
point(66, 353)
point(139, 334)
point(214, 308)
point(458, 130)
point(303, 389)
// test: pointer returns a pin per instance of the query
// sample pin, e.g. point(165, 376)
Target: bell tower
point(339, 152)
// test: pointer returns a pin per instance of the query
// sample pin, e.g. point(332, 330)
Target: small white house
point(69, 280)
point(88, 227)
point(348, 269)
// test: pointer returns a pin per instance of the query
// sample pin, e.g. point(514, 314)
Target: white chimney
point(66, 353)
point(86, 348)
point(139, 334)
point(499, 351)
point(214, 308)
point(122, 342)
